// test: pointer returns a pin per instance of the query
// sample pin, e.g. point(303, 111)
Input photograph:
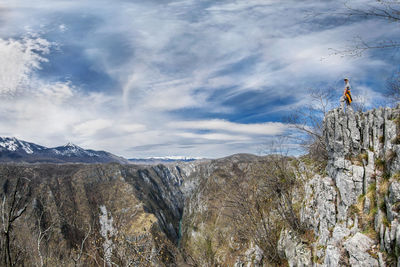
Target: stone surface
point(319, 210)
point(254, 256)
point(332, 256)
point(291, 248)
point(355, 141)
point(394, 192)
point(357, 247)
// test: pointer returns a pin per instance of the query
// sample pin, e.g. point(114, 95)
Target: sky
point(205, 78)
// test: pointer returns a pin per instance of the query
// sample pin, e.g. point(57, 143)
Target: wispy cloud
point(19, 59)
point(154, 78)
point(270, 128)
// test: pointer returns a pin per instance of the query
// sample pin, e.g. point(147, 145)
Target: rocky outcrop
point(357, 247)
point(353, 209)
point(291, 248)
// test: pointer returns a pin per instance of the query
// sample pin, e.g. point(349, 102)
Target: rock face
point(292, 249)
point(353, 210)
point(357, 247)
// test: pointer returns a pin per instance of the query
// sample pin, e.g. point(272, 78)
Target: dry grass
point(383, 187)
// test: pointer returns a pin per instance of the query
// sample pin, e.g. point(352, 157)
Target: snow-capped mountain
point(15, 145)
point(14, 150)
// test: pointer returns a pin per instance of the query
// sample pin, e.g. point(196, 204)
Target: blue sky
point(191, 78)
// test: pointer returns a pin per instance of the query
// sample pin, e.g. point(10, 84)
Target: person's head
point(346, 80)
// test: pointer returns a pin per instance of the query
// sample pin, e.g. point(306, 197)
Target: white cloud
point(19, 58)
point(91, 127)
point(63, 27)
point(214, 136)
point(191, 55)
point(57, 92)
point(268, 128)
point(132, 128)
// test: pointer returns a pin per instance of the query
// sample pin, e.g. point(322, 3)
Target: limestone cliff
point(353, 207)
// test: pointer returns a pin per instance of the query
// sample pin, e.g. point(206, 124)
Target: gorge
point(243, 210)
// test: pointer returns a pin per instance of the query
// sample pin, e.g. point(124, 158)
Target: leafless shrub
point(14, 202)
point(392, 90)
point(308, 121)
point(261, 204)
point(385, 10)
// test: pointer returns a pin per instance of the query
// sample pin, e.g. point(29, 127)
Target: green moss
point(396, 176)
point(373, 211)
point(380, 164)
point(386, 175)
point(370, 231)
point(373, 254)
point(364, 156)
point(385, 221)
point(372, 187)
point(381, 139)
point(353, 210)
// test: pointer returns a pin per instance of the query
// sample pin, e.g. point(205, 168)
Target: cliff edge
point(353, 207)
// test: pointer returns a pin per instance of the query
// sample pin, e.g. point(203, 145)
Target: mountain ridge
point(15, 150)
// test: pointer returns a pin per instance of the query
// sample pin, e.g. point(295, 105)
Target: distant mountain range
point(161, 160)
point(15, 150)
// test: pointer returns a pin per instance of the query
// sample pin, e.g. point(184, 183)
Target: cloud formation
point(19, 59)
point(191, 78)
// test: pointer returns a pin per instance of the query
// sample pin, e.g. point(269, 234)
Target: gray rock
point(387, 240)
point(254, 256)
point(347, 136)
point(339, 233)
point(378, 221)
point(382, 236)
point(291, 248)
point(357, 247)
point(398, 236)
point(393, 230)
point(332, 256)
point(319, 209)
point(394, 192)
point(367, 205)
point(381, 261)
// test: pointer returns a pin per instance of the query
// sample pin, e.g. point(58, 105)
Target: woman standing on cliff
point(346, 97)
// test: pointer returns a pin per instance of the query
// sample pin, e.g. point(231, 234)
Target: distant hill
point(15, 150)
point(161, 160)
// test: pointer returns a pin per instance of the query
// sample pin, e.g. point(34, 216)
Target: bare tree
point(392, 90)
point(308, 121)
point(260, 204)
point(80, 252)
point(14, 204)
point(42, 233)
point(359, 103)
point(386, 10)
